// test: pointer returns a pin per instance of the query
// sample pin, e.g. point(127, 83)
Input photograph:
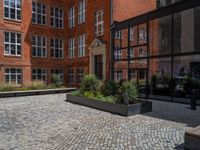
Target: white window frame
point(142, 35)
point(18, 72)
point(16, 44)
point(44, 73)
point(80, 75)
point(99, 23)
point(118, 54)
point(57, 21)
point(15, 7)
point(72, 17)
point(131, 34)
point(132, 53)
point(72, 48)
point(70, 76)
point(81, 45)
point(43, 14)
point(59, 48)
point(118, 75)
point(118, 35)
point(81, 11)
point(37, 47)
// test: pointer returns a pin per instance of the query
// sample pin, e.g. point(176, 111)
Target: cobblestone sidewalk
point(50, 123)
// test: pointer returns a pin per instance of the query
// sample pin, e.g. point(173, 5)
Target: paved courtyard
point(49, 123)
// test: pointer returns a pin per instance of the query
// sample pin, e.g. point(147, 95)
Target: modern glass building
point(160, 50)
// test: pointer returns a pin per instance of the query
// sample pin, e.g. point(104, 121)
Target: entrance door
point(99, 66)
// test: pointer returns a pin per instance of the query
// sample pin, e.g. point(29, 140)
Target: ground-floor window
point(13, 76)
point(39, 75)
point(118, 75)
point(80, 75)
point(58, 72)
point(70, 75)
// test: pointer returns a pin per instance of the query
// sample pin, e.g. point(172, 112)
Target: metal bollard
point(126, 99)
point(193, 100)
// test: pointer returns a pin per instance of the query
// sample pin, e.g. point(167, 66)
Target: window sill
point(37, 57)
point(12, 21)
point(13, 56)
point(39, 25)
point(54, 58)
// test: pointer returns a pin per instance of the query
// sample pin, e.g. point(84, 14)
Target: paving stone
point(48, 122)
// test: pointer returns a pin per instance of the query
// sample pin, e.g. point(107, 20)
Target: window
point(131, 34)
point(142, 53)
point(81, 45)
point(131, 53)
point(12, 44)
point(80, 75)
point(39, 75)
point(71, 48)
point(118, 54)
point(58, 72)
point(38, 13)
point(132, 74)
point(39, 46)
point(99, 23)
point(56, 48)
point(56, 18)
point(81, 11)
point(142, 35)
point(70, 76)
point(118, 35)
point(12, 9)
point(118, 75)
point(71, 17)
point(13, 76)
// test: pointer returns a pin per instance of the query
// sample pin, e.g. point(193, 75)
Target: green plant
point(36, 85)
point(109, 88)
point(130, 88)
point(75, 93)
point(190, 84)
point(165, 81)
point(7, 88)
point(90, 84)
point(56, 81)
point(154, 81)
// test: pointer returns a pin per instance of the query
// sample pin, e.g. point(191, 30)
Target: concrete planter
point(120, 109)
point(192, 139)
point(35, 92)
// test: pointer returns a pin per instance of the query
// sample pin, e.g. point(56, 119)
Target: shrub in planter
point(130, 88)
point(91, 84)
point(109, 88)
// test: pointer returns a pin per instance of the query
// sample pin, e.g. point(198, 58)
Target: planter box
point(35, 92)
point(120, 109)
point(192, 139)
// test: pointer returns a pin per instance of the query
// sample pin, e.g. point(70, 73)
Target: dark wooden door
point(99, 66)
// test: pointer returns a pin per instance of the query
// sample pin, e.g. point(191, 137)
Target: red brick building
point(39, 38)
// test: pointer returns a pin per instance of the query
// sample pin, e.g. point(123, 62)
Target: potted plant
point(118, 98)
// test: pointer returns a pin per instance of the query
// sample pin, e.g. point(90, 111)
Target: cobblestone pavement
point(50, 123)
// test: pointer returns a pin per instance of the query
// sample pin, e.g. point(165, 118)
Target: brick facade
point(115, 10)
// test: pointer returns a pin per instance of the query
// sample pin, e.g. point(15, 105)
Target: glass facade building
point(161, 50)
